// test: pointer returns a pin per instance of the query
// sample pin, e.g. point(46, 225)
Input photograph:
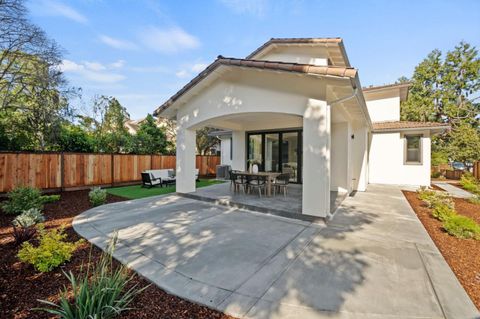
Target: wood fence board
point(83, 170)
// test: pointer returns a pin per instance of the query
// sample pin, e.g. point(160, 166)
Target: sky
point(144, 51)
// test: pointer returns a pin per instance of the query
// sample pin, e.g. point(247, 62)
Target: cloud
point(191, 70)
point(117, 43)
point(118, 64)
point(251, 7)
point(170, 40)
point(94, 71)
point(54, 8)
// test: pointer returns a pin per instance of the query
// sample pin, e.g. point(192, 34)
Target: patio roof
point(308, 69)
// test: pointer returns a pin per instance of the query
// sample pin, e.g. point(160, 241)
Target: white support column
point(316, 159)
point(360, 157)
point(185, 178)
point(238, 150)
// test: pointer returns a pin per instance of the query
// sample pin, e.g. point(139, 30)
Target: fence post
point(62, 172)
point(112, 171)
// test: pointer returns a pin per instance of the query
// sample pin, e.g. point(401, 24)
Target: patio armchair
point(149, 181)
point(257, 182)
point(281, 183)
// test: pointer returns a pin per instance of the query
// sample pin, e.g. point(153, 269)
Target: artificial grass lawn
point(136, 191)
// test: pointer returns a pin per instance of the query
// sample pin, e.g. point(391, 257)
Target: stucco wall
point(386, 160)
point(225, 148)
point(384, 109)
point(304, 55)
point(340, 158)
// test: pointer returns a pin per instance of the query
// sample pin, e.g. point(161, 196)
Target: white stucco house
point(297, 105)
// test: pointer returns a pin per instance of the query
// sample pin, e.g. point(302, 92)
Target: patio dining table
point(270, 178)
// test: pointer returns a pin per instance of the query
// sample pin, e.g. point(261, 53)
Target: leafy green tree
point(150, 139)
point(446, 89)
point(74, 138)
point(204, 141)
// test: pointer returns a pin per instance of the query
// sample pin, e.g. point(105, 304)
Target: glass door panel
point(272, 149)
point(290, 155)
point(255, 150)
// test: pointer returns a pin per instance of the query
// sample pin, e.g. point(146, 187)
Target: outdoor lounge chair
point(149, 181)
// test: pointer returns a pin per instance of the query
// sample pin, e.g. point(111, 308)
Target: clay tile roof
point(279, 66)
point(403, 125)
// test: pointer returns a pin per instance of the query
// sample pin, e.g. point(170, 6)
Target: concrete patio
point(285, 206)
point(373, 260)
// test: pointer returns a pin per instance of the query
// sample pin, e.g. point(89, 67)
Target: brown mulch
point(21, 285)
point(463, 255)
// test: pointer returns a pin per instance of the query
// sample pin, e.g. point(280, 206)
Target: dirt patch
point(463, 255)
point(21, 285)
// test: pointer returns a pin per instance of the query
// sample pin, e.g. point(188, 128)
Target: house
point(297, 106)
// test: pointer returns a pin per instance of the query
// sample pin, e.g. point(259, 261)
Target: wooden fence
point(73, 171)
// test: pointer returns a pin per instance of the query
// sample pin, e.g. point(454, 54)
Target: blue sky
point(143, 51)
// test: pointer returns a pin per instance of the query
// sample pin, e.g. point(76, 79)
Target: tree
point(204, 141)
point(74, 138)
point(22, 42)
point(150, 138)
point(446, 89)
point(107, 126)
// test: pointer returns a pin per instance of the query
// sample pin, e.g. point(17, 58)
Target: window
point(413, 149)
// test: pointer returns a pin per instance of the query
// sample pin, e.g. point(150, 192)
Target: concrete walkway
point(453, 190)
point(373, 260)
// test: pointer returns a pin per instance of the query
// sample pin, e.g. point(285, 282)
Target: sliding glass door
point(278, 151)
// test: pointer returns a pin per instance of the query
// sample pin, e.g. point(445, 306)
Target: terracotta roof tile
point(280, 66)
point(399, 125)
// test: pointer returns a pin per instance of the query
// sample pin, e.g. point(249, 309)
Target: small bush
point(475, 199)
point(97, 196)
point(443, 212)
point(101, 295)
point(469, 183)
point(21, 199)
point(436, 174)
point(462, 227)
point(51, 251)
point(24, 225)
point(50, 198)
point(433, 198)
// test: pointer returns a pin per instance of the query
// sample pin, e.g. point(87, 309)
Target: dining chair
point(281, 182)
point(257, 182)
point(239, 181)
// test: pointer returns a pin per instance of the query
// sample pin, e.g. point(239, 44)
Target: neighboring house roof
point(289, 41)
point(260, 64)
point(387, 126)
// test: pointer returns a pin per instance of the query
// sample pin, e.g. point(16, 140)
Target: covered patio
point(312, 118)
point(280, 205)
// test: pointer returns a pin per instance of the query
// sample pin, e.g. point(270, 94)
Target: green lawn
point(136, 191)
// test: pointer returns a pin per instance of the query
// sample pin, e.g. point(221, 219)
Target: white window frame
point(420, 146)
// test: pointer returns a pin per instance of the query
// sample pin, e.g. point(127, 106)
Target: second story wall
point(383, 105)
point(303, 55)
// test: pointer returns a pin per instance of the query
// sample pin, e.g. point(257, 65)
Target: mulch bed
point(463, 255)
point(21, 285)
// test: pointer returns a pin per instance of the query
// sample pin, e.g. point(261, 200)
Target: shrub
point(101, 295)
point(51, 251)
point(24, 225)
point(443, 212)
point(462, 227)
point(97, 196)
point(469, 183)
point(21, 199)
point(436, 174)
point(433, 198)
point(475, 199)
